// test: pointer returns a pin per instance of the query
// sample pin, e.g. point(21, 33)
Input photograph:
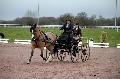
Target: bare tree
point(30, 13)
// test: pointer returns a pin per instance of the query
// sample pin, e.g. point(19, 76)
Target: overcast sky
point(11, 9)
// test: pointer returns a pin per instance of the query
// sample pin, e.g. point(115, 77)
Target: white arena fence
point(118, 45)
point(102, 45)
point(4, 40)
point(16, 41)
point(96, 45)
point(99, 45)
point(57, 26)
point(91, 43)
point(23, 42)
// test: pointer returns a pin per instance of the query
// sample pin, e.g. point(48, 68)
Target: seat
point(63, 39)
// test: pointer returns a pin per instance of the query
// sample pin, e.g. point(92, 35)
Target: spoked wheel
point(61, 55)
point(73, 52)
point(85, 53)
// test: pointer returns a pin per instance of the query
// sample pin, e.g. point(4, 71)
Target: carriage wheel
point(74, 51)
point(61, 55)
point(85, 53)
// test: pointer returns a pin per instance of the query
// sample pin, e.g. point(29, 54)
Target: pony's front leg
point(29, 60)
point(42, 54)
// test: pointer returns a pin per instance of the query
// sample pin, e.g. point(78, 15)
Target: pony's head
point(35, 31)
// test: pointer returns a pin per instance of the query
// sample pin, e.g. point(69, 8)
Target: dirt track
point(104, 63)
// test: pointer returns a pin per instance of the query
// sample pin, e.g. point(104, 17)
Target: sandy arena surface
point(104, 63)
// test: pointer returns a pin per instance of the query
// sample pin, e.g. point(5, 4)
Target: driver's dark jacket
point(67, 29)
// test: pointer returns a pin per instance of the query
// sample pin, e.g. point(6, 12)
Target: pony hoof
point(47, 61)
point(44, 59)
point(28, 62)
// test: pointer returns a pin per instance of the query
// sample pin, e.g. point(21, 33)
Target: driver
point(77, 30)
point(67, 27)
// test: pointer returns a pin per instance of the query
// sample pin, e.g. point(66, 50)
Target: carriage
point(62, 45)
point(75, 48)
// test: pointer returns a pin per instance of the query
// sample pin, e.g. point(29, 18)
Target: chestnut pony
point(42, 40)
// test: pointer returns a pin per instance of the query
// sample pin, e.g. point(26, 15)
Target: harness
point(44, 38)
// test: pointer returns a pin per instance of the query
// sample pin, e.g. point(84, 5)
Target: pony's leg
point(49, 58)
point(42, 54)
point(30, 56)
point(51, 49)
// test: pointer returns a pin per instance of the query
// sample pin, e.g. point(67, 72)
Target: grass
point(15, 33)
point(113, 35)
point(23, 33)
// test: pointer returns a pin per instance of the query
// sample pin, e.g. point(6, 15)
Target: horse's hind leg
point(52, 51)
point(30, 57)
point(50, 58)
point(42, 54)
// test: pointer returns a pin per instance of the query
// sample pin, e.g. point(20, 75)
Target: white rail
point(91, 44)
point(4, 40)
point(22, 41)
point(104, 45)
point(118, 45)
